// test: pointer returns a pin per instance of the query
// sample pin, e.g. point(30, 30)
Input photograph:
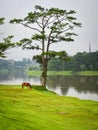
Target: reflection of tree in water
point(35, 78)
point(18, 74)
point(4, 76)
point(13, 74)
point(53, 82)
point(79, 83)
point(85, 84)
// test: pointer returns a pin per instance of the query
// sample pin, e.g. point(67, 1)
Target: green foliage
point(62, 55)
point(39, 109)
point(38, 37)
point(79, 62)
point(2, 21)
point(52, 25)
point(6, 44)
point(16, 20)
point(38, 58)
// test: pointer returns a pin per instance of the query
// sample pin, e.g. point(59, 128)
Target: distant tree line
point(11, 64)
point(79, 62)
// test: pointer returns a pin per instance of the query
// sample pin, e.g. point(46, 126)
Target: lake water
point(83, 87)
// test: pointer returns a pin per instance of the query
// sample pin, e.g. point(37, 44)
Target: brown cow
point(26, 84)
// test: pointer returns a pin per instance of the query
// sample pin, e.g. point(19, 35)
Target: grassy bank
point(84, 73)
point(88, 73)
point(39, 109)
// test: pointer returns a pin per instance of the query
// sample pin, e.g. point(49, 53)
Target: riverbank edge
point(66, 73)
point(40, 109)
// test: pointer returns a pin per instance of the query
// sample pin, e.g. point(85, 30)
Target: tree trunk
point(44, 72)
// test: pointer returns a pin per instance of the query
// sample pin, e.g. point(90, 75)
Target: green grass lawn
point(39, 109)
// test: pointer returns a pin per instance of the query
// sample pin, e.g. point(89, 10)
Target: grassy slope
point(39, 109)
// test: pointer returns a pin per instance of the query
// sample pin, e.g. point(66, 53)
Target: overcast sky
point(86, 13)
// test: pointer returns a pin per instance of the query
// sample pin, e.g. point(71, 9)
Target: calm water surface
point(83, 87)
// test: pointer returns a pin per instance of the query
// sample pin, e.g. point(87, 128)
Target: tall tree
point(52, 26)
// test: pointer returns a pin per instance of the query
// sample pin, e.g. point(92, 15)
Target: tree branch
point(30, 27)
point(38, 23)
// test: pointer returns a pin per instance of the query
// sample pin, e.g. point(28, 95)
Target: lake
point(83, 87)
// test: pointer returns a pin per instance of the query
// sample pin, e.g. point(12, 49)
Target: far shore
point(66, 73)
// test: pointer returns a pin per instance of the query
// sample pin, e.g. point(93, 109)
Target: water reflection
point(17, 77)
point(79, 86)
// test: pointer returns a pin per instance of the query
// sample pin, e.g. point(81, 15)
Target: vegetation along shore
point(40, 109)
point(84, 73)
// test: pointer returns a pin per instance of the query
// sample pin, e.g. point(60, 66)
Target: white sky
point(86, 13)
